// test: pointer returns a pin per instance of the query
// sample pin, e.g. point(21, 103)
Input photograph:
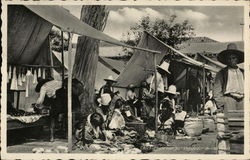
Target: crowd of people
point(112, 112)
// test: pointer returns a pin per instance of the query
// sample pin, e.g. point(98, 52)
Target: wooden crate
point(236, 123)
point(236, 146)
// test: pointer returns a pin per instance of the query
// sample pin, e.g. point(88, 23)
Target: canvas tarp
point(102, 70)
point(61, 18)
point(204, 59)
point(27, 37)
point(141, 65)
point(211, 62)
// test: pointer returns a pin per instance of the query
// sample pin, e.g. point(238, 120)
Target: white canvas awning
point(63, 19)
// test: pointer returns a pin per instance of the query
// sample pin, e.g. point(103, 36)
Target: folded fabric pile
point(26, 119)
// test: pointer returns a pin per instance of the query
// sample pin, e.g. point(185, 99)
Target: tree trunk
point(87, 55)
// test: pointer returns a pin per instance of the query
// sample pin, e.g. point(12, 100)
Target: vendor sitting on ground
point(95, 128)
point(117, 120)
point(107, 88)
point(167, 107)
point(210, 106)
point(104, 105)
point(179, 118)
point(131, 98)
point(127, 113)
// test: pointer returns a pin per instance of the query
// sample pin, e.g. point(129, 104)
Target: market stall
point(60, 17)
point(141, 67)
point(28, 59)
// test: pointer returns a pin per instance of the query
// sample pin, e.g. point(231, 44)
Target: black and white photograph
point(125, 79)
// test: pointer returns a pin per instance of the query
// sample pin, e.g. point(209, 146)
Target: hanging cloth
point(9, 76)
point(35, 77)
point(39, 72)
point(19, 79)
point(44, 72)
point(23, 77)
point(28, 74)
point(13, 85)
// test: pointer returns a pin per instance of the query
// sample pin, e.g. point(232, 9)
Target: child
point(179, 119)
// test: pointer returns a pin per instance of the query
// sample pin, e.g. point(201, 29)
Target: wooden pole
point(156, 96)
point(69, 95)
point(51, 57)
point(62, 55)
point(186, 90)
point(204, 88)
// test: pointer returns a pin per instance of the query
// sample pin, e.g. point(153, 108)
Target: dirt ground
point(206, 144)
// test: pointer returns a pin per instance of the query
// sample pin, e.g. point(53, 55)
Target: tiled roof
point(213, 47)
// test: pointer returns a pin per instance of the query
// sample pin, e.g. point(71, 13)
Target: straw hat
point(105, 99)
point(231, 49)
point(172, 90)
point(110, 78)
point(164, 66)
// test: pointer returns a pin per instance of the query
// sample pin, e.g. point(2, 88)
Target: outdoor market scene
point(73, 88)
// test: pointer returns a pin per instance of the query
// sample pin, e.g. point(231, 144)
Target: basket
point(193, 127)
point(140, 128)
point(209, 123)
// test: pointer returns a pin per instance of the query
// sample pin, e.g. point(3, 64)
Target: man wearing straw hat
point(107, 88)
point(228, 91)
point(229, 81)
point(162, 83)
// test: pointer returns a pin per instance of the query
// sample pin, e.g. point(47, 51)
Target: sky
point(221, 23)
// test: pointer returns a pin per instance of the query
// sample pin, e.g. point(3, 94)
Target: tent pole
point(186, 88)
point(62, 55)
point(51, 56)
point(70, 95)
point(156, 96)
point(204, 88)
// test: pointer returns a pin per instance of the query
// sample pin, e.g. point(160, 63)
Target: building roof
point(210, 47)
point(200, 40)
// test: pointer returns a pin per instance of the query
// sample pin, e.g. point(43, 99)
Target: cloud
point(193, 15)
point(123, 18)
point(132, 15)
point(197, 19)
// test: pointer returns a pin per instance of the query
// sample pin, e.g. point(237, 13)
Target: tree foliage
point(168, 31)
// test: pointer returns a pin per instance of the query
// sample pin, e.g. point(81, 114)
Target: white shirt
point(130, 95)
point(180, 115)
point(235, 81)
point(160, 83)
point(210, 105)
